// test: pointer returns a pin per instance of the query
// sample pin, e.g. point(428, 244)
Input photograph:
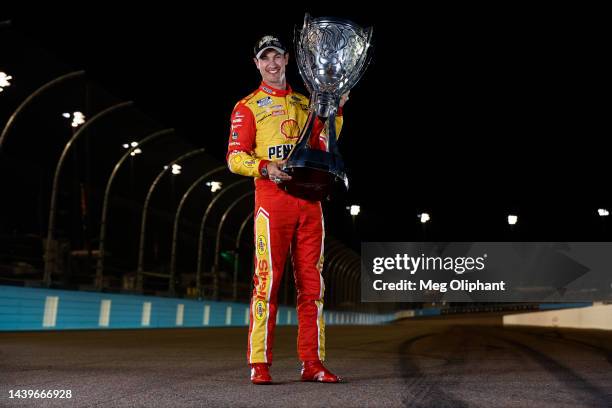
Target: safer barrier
point(51, 309)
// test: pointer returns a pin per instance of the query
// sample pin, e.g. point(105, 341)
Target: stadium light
point(354, 209)
point(5, 80)
point(214, 185)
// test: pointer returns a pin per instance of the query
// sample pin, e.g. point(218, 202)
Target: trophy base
point(311, 183)
point(314, 173)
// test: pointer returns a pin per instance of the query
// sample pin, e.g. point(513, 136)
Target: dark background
point(466, 113)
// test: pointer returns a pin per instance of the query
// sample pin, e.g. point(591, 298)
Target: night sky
point(467, 114)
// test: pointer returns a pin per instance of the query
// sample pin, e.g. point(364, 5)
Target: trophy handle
point(332, 136)
point(306, 130)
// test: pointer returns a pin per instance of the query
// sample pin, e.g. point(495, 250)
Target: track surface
point(458, 361)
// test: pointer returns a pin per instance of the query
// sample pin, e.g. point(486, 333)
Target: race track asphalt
point(449, 361)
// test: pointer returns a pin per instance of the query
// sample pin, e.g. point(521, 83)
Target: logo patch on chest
point(290, 129)
point(279, 151)
point(264, 101)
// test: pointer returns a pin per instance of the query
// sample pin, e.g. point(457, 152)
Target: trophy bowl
point(332, 55)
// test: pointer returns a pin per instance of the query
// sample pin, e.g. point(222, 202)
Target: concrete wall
point(592, 317)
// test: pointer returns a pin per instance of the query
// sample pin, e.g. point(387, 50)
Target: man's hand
point(344, 98)
point(275, 173)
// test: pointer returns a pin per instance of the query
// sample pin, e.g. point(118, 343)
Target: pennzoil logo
point(290, 129)
point(262, 245)
point(260, 309)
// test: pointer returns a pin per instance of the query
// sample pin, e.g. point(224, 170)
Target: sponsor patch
point(302, 106)
point(263, 117)
point(290, 129)
point(260, 309)
point(262, 245)
point(234, 135)
point(264, 101)
point(279, 151)
point(279, 113)
point(262, 278)
point(249, 163)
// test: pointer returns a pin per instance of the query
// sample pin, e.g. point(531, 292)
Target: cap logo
point(267, 38)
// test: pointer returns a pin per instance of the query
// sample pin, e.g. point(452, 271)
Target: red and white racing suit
point(265, 127)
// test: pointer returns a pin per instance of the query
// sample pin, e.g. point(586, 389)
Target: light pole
point(424, 218)
point(49, 252)
point(354, 210)
point(201, 238)
point(355, 267)
point(109, 183)
point(145, 209)
point(603, 214)
point(33, 95)
point(332, 252)
point(512, 220)
point(343, 265)
point(218, 241)
point(237, 246)
point(177, 218)
point(335, 267)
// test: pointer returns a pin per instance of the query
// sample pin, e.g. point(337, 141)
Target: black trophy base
point(308, 183)
point(314, 174)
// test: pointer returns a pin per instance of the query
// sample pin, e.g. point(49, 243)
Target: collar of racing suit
point(270, 90)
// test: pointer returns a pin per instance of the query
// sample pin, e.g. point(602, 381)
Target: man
point(264, 128)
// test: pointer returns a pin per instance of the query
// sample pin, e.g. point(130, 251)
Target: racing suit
point(265, 127)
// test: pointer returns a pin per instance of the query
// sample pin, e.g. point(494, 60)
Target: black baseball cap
point(268, 41)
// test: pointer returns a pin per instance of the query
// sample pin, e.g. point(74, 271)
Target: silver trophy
point(332, 54)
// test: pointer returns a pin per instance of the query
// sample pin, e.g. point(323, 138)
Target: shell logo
point(290, 129)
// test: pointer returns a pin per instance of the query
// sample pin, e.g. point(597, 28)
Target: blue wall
point(51, 309)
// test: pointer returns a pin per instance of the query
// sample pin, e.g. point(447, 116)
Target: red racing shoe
point(315, 371)
point(260, 373)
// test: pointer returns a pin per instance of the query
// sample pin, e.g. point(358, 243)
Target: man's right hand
point(275, 173)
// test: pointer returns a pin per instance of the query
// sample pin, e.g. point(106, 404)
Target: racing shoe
point(316, 371)
point(260, 373)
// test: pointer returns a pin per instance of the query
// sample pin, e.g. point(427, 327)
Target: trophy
point(332, 54)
